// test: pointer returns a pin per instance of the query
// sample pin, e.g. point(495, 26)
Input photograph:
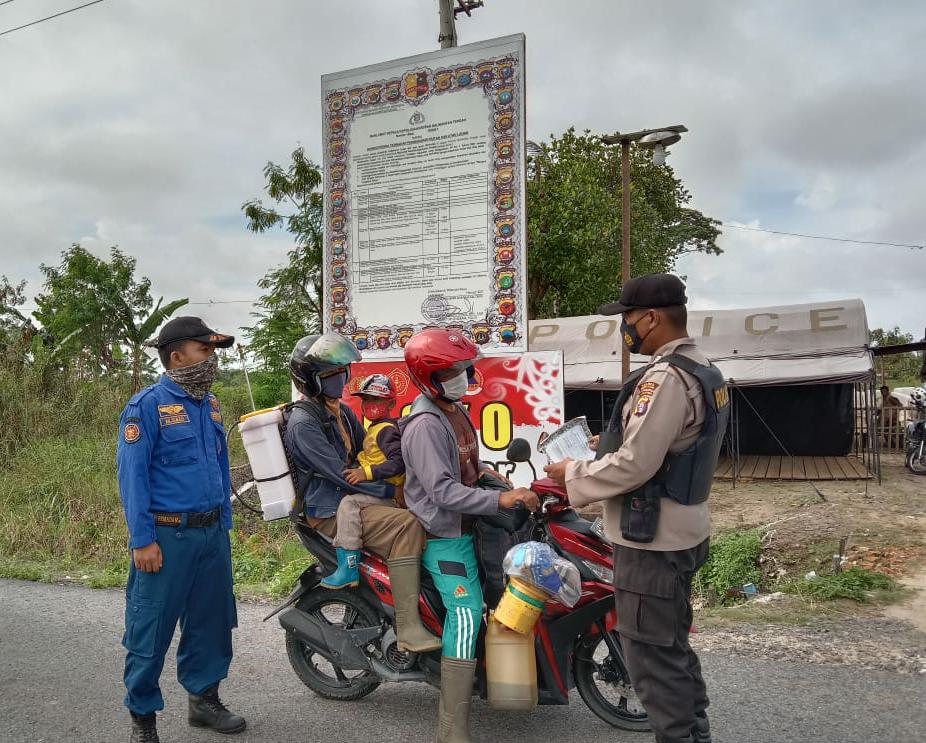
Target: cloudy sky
point(146, 124)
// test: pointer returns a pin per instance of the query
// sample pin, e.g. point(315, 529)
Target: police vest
point(686, 477)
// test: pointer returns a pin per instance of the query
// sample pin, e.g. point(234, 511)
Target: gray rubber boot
point(405, 575)
point(456, 696)
point(144, 729)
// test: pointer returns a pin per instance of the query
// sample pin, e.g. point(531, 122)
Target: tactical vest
point(685, 477)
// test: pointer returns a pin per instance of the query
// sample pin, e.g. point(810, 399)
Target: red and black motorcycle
point(342, 644)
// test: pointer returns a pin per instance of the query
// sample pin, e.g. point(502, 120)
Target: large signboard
point(424, 198)
point(514, 397)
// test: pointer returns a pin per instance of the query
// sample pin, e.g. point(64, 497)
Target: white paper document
point(569, 441)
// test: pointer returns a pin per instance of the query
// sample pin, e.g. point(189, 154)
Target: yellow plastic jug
point(511, 668)
point(521, 606)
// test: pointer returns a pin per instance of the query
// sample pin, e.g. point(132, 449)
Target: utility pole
point(448, 19)
point(247, 379)
point(656, 140)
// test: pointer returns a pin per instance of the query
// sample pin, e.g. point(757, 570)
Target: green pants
point(452, 564)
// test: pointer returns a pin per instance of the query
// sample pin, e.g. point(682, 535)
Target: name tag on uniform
point(172, 415)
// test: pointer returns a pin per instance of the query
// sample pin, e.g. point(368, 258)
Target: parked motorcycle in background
point(915, 441)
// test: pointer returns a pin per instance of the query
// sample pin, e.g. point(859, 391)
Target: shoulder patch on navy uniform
point(722, 396)
point(131, 433)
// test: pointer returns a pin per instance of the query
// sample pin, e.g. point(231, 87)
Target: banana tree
point(136, 333)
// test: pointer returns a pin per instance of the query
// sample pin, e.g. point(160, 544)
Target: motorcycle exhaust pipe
point(342, 647)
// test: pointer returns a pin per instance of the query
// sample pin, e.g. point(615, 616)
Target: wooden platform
point(794, 468)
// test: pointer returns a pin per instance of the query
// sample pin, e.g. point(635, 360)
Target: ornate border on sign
point(498, 79)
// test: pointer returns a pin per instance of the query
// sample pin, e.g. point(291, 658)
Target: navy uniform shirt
point(172, 457)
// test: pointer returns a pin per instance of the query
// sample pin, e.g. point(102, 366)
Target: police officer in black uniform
point(654, 472)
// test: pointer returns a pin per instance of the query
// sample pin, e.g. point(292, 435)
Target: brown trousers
point(386, 530)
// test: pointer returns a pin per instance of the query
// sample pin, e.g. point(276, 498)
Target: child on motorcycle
point(441, 454)
point(380, 459)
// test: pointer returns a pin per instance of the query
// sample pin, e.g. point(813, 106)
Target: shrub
point(733, 562)
point(855, 583)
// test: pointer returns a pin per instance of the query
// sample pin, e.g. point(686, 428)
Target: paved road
point(60, 679)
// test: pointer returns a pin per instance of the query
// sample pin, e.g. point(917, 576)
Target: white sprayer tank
point(260, 433)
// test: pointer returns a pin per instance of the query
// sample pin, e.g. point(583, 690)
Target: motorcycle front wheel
point(916, 460)
point(343, 609)
point(603, 683)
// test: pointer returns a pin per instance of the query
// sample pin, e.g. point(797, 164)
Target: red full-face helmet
point(436, 350)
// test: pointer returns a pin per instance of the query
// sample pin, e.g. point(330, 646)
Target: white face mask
point(455, 387)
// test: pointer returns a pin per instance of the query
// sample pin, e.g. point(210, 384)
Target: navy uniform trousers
point(194, 587)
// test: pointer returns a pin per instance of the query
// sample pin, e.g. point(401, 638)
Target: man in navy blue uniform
point(175, 487)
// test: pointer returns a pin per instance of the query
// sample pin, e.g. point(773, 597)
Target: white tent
point(820, 342)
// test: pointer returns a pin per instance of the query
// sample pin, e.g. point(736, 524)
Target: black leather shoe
point(207, 711)
point(144, 729)
point(702, 728)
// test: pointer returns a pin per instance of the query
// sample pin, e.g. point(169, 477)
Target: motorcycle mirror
point(518, 451)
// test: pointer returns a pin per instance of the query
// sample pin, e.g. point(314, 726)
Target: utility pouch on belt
point(640, 514)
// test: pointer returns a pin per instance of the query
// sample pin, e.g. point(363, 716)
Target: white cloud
point(147, 125)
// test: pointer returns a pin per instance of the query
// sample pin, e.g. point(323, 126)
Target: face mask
point(632, 339)
point(375, 410)
point(196, 379)
point(333, 386)
point(455, 387)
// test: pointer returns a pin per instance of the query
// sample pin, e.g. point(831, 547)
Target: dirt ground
point(884, 524)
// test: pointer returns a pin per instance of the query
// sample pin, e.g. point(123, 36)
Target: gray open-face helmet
point(319, 355)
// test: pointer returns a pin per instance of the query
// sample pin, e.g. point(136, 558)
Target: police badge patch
point(131, 433)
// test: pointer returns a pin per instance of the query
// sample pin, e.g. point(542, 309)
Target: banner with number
point(513, 397)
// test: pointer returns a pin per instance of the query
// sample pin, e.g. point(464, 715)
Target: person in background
point(175, 487)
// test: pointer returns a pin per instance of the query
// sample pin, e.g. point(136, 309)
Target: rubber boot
point(456, 696)
point(144, 728)
point(348, 574)
point(207, 711)
point(405, 575)
point(702, 728)
point(690, 738)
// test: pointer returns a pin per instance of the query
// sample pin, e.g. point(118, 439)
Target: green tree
point(291, 305)
point(896, 370)
point(574, 223)
point(16, 328)
point(97, 314)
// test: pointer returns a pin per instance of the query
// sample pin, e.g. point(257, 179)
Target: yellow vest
point(373, 455)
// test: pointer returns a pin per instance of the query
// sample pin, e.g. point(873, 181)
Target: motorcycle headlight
point(599, 571)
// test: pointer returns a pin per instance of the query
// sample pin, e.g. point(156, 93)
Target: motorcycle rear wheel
point(342, 609)
point(603, 683)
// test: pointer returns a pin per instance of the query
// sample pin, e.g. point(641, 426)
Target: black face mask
point(631, 337)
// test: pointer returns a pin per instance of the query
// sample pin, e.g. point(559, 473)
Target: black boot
point(702, 728)
point(144, 728)
point(207, 711)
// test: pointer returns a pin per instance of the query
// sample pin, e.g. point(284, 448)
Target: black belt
point(196, 520)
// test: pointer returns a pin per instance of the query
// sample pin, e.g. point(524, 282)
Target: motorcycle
point(342, 644)
point(915, 439)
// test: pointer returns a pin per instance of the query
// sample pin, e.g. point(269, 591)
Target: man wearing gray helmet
point(323, 440)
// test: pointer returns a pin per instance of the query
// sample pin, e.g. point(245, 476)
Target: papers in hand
point(569, 441)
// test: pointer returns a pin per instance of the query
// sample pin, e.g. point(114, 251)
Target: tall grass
point(59, 495)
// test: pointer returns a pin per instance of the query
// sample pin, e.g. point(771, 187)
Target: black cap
point(190, 329)
point(646, 292)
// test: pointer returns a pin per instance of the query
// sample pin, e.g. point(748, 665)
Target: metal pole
point(625, 241)
point(448, 31)
point(247, 379)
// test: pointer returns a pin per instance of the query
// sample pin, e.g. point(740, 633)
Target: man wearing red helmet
point(441, 454)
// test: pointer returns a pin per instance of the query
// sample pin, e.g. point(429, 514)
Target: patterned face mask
point(196, 379)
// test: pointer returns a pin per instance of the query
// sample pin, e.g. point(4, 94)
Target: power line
point(42, 20)
point(825, 237)
point(6, 2)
